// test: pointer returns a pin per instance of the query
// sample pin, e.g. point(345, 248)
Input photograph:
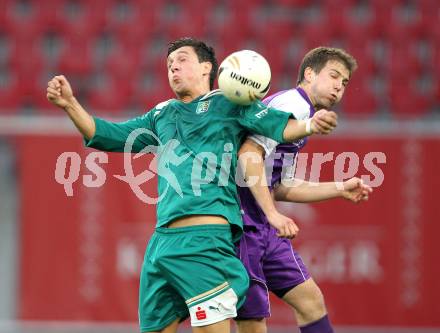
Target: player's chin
point(180, 90)
point(323, 104)
point(329, 103)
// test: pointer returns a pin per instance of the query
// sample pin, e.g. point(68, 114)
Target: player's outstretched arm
point(59, 93)
point(322, 122)
point(296, 190)
point(252, 164)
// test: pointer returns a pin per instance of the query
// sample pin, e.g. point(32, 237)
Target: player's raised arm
point(295, 190)
point(60, 93)
point(252, 164)
point(99, 133)
point(322, 122)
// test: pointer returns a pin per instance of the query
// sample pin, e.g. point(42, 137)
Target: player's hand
point(355, 190)
point(324, 122)
point(59, 91)
point(285, 226)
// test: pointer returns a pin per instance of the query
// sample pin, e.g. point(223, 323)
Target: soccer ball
point(244, 77)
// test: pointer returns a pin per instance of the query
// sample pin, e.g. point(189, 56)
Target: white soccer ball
point(244, 77)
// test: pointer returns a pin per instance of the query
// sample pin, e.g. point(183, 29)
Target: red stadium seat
point(27, 64)
point(276, 32)
point(27, 52)
point(293, 3)
point(435, 59)
point(431, 26)
point(337, 4)
point(123, 63)
point(109, 95)
point(76, 55)
point(184, 24)
point(223, 28)
point(436, 93)
point(10, 95)
point(398, 30)
point(362, 51)
point(429, 18)
point(22, 17)
point(421, 21)
point(30, 83)
point(132, 28)
point(357, 20)
point(80, 18)
point(275, 57)
point(336, 21)
point(4, 5)
point(401, 60)
point(316, 34)
point(359, 99)
point(382, 15)
point(153, 56)
point(407, 101)
point(151, 89)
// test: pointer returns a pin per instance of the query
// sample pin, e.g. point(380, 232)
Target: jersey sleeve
point(266, 121)
point(286, 103)
point(268, 144)
point(112, 137)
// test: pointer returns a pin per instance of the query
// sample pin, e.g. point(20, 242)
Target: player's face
point(329, 84)
point(185, 72)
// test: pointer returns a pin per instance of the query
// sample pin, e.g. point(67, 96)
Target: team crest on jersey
point(202, 107)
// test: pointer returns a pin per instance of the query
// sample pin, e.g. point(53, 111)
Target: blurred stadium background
point(71, 264)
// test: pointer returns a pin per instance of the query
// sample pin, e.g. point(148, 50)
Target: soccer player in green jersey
point(190, 267)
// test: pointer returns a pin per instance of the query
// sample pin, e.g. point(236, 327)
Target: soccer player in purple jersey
point(265, 249)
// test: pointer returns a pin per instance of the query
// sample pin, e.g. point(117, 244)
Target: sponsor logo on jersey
point(200, 314)
point(202, 107)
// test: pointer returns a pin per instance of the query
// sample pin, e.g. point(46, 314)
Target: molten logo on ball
point(244, 77)
point(245, 81)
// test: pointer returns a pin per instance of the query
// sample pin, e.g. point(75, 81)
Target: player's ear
point(207, 66)
point(309, 74)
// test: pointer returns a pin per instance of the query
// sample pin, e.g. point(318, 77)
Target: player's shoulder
point(290, 101)
point(156, 111)
point(213, 94)
point(163, 105)
point(286, 96)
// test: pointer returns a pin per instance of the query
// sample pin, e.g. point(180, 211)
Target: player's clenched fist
point(284, 225)
point(324, 122)
point(59, 91)
point(355, 190)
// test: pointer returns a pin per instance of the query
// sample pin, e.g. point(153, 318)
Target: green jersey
point(196, 144)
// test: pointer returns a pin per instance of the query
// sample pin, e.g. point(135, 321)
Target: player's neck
point(307, 90)
point(189, 96)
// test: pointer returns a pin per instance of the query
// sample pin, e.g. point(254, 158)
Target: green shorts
point(190, 271)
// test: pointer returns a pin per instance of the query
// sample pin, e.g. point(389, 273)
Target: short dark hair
point(203, 51)
point(317, 58)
